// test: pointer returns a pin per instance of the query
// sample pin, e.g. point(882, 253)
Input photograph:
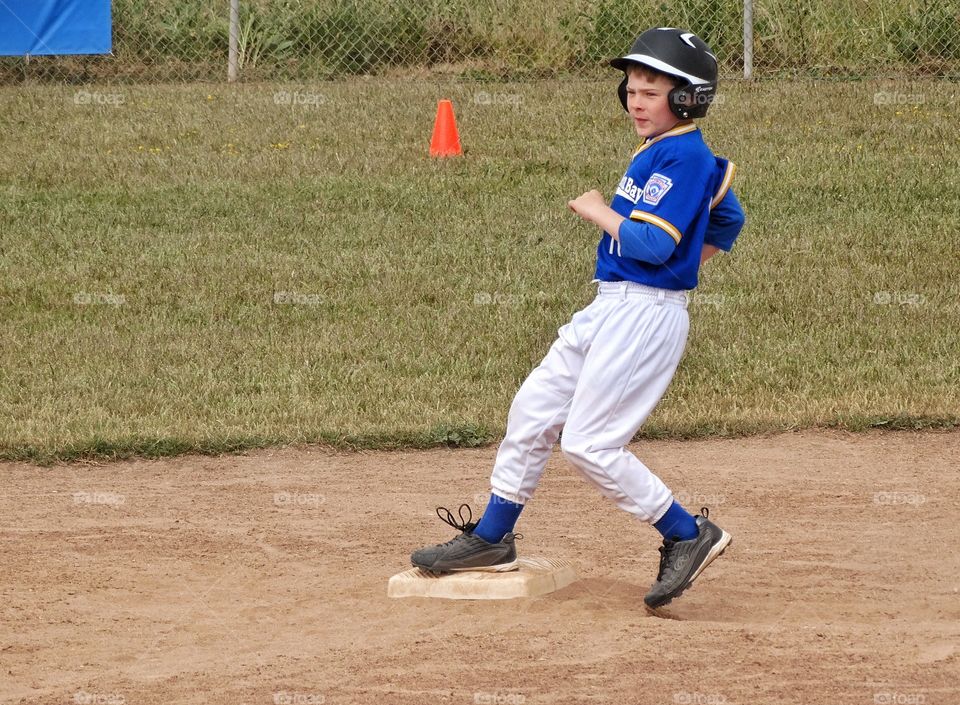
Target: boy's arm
point(662, 212)
point(638, 240)
point(726, 222)
point(591, 206)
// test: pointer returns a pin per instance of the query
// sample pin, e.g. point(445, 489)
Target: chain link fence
point(296, 40)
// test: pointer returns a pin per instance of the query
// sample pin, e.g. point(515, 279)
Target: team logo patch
point(656, 188)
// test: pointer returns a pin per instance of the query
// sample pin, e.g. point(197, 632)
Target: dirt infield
point(262, 579)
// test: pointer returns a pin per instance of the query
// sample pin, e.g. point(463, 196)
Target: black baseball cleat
point(467, 551)
point(682, 561)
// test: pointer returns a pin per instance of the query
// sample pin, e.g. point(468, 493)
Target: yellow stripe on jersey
point(681, 130)
point(724, 185)
point(659, 222)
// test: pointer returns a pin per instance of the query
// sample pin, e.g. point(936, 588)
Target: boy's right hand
point(587, 203)
point(592, 207)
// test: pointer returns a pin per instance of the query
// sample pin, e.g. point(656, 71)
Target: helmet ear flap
point(689, 101)
point(622, 92)
point(679, 100)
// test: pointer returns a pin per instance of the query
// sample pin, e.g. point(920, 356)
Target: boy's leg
point(629, 367)
point(633, 359)
point(537, 414)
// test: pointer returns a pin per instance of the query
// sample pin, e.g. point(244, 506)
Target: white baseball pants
point(602, 377)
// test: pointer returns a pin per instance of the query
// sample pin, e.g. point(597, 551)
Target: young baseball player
point(610, 365)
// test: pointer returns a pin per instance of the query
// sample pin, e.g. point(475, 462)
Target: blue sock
point(677, 524)
point(500, 517)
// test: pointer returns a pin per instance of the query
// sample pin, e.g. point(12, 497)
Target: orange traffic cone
point(445, 141)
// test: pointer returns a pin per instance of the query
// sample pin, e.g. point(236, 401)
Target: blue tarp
point(54, 27)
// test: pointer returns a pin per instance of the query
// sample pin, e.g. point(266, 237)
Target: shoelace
point(465, 524)
point(665, 550)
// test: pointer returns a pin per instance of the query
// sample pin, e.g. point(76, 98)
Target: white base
point(534, 577)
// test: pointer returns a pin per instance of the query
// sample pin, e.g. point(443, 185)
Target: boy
point(613, 361)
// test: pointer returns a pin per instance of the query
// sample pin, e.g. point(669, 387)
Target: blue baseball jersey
point(676, 190)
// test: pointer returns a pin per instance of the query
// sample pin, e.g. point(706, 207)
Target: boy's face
point(647, 103)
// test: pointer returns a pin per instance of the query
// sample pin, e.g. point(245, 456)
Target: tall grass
point(161, 40)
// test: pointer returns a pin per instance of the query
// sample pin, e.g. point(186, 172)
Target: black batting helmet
point(681, 55)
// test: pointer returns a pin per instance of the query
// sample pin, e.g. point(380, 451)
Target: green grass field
point(211, 268)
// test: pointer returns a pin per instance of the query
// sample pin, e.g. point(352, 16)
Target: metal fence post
point(748, 39)
point(232, 47)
